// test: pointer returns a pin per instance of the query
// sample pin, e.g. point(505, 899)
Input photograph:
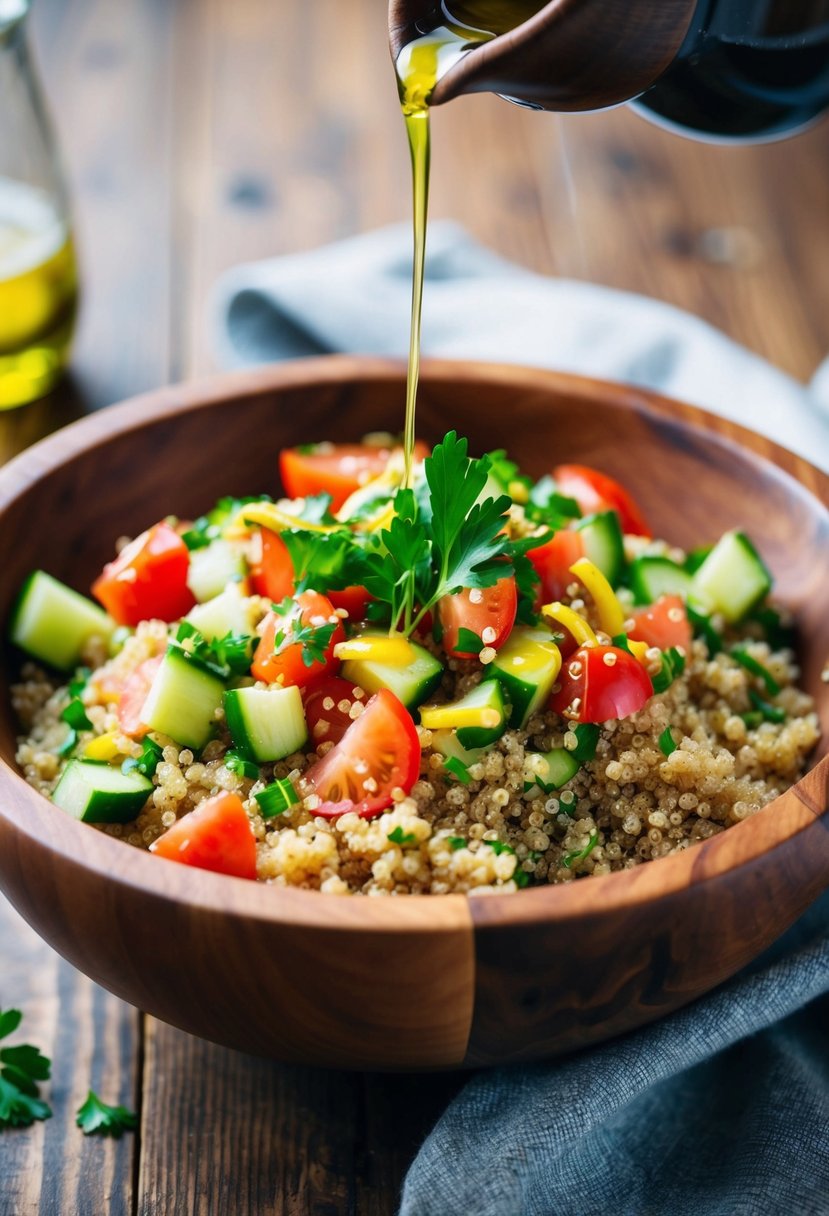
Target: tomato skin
point(272, 572)
point(496, 610)
point(328, 725)
point(384, 737)
point(134, 694)
point(663, 624)
point(595, 491)
point(215, 836)
point(604, 691)
point(148, 579)
point(552, 561)
point(287, 667)
point(354, 600)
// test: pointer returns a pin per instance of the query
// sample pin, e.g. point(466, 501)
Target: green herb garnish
point(771, 713)
point(468, 642)
point(314, 639)
point(499, 847)
point(752, 719)
point(277, 798)
point(520, 877)
point(667, 743)
point(398, 836)
point(236, 763)
point(506, 471)
point(96, 1118)
point(704, 629)
point(458, 769)
point(75, 715)
point(21, 1069)
point(546, 506)
point(570, 859)
point(456, 842)
point(587, 738)
point(227, 656)
point(756, 668)
point(151, 756)
point(673, 665)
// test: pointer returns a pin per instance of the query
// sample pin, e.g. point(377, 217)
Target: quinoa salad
point(413, 675)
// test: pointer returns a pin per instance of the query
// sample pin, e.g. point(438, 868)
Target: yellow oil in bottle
point(419, 66)
point(38, 293)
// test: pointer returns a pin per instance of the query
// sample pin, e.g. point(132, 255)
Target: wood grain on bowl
point(439, 981)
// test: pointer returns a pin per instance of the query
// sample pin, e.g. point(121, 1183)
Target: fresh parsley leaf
point(667, 742)
point(546, 506)
point(398, 836)
point(316, 509)
point(227, 656)
point(587, 738)
point(526, 578)
point(21, 1068)
point(570, 859)
point(456, 842)
point(458, 769)
point(673, 665)
point(96, 1118)
point(499, 847)
point(151, 756)
point(520, 877)
point(506, 471)
point(324, 561)
point(75, 715)
point(468, 642)
point(747, 660)
point(771, 713)
point(314, 639)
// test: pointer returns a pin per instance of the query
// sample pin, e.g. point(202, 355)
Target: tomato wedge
point(598, 683)
point(490, 609)
point(552, 561)
point(216, 836)
point(337, 469)
point(286, 664)
point(378, 753)
point(595, 491)
point(134, 694)
point(148, 579)
point(663, 624)
point(354, 600)
point(272, 571)
point(327, 703)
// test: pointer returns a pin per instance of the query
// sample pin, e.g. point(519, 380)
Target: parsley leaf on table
point(21, 1068)
point(95, 1117)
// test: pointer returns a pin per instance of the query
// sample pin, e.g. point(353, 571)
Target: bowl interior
point(178, 452)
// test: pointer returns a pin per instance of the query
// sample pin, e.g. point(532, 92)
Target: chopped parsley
point(587, 738)
point(468, 642)
point(507, 473)
point(398, 836)
point(210, 527)
point(747, 660)
point(458, 769)
point(277, 798)
point(546, 506)
point(151, 756)
point(771, 713)
point(75, 715)
point(313, 639)
point(704, 629)
point(570, 859)
point(673, 665)
point(22, 1068)
point(456, 842)
point(667, 742)
point(225, 657)
point(96, 1118)
point(498, 847)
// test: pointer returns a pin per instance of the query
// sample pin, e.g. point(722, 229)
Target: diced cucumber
point(604, 543)
point(266, 723)
point(446, 742)
point(652, 577)
point(479, 718)
point(526, 668)
point(99, 793)
point(732, 580)
point(555, 769)
point(224, 614)
point(52, 622)
point(183, 700)
point(213, 567)
point(410, 684)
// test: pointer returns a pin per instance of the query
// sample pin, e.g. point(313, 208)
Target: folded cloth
point(354, 297)
point(721, 1109)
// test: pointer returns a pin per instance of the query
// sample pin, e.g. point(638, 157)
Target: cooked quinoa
point(629, 804)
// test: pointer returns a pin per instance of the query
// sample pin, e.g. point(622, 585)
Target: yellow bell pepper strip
point(575, 625)
point(639, 650)
point(436, 717)
point(270, 515)
point(610, 611)
point(103, 747)
point(385, 484)
point(376, 648)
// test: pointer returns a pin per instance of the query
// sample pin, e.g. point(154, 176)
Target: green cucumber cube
point(52, 622)
point(99, 793)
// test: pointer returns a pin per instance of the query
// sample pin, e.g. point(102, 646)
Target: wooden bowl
point(440, 981)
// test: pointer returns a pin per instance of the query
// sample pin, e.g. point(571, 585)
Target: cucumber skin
point(241, 731)
point(370, 677)
point(638, 579)
point(67, 656)
point(106, 806)
point(199, 679)
point(472, 737)
point(708, 597)
point(603, 530)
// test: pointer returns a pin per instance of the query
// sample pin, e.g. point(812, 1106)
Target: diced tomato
point(488, 608)
point(552, 562)
point(354, 600)
point(287, 665)
point(216, 836)
point(379, 753)
point(272, 571)
point(663, 624)
point(599, 683)
point(148, 579)
point(323, 701)
point(134, 694)
point(337, 469)
point(595, 491)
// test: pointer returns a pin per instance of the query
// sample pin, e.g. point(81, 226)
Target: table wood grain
point(198, 134)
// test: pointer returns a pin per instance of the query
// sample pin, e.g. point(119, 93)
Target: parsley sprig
point(314, 639)
point(21, 1069)
point(95, 1117)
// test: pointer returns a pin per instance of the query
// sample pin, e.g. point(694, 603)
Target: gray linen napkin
point(354, 297)
point(721, 1109)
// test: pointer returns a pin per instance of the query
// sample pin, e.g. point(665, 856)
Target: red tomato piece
point(488, 608)
point(272, 571)
point(287, 665)
point(337, 469)
point(134, 694)
point(663, 624)
point(216, 836)
point(595, 491)
point(148, 579)
point(354, 600)
point(552, 562)
point(599, 683)
point(323, 701)
point(378, 753)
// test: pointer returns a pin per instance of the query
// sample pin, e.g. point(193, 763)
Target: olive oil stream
point(419, 66)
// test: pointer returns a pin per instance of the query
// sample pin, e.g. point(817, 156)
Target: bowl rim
point(106, 857)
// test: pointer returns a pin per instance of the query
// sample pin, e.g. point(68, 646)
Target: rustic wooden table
point(198, 134)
